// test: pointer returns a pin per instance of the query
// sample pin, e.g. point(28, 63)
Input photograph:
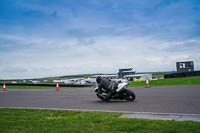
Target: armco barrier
point(48, 84)
point(183, 74)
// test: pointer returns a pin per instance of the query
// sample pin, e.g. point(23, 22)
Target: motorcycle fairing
point(121, 87)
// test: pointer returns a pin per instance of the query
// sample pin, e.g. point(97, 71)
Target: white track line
point(88, 110)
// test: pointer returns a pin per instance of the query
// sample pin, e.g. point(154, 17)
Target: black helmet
point(99, 79)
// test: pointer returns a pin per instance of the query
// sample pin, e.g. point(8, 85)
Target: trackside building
point(187, 66)
point(124, 72)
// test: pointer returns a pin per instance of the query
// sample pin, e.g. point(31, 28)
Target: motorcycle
point(122, 93)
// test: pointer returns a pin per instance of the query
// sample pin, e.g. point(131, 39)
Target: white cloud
point(59, 56)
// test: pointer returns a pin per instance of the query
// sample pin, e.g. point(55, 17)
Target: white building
point(35, 82)
point(139, 77)
point(58, 81)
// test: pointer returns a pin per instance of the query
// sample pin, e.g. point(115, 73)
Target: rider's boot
point(108, 96)
point(100, 96)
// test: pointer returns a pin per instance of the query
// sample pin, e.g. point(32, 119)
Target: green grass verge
point(195, 80)
point(49, 121)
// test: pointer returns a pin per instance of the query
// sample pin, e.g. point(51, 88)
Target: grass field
point(195, 80)
point(49, 121)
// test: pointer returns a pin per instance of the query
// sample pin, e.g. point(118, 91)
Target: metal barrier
point(183, 74)
point(48, 84)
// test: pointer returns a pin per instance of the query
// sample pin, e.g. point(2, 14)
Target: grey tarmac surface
point(159, 100)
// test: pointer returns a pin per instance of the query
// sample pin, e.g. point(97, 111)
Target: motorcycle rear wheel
point(130, 95)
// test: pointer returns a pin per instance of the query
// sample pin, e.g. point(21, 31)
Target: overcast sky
point(41, 38)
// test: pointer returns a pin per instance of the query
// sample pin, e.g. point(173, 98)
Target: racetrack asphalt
point(164, 99)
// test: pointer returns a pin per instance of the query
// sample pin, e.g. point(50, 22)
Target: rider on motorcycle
point(107, 85)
